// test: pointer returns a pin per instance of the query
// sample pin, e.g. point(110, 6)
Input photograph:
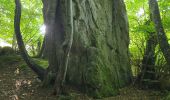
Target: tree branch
point(36, 68)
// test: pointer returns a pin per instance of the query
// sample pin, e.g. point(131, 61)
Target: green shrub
point(165, 82)
point(9, 59)
point(6, 51)
point(167, 97)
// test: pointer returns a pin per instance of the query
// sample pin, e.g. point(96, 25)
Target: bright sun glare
point(140, 12)
point(43, 29)
point(3, 43)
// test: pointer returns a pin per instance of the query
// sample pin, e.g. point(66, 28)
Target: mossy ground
point(18, 81)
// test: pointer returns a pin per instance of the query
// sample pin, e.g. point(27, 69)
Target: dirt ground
point(22, 84)
point(132, 93)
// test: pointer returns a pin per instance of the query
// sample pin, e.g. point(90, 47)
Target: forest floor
point(20, 83)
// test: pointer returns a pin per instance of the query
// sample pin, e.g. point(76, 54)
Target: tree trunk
point(41, 53)
point(36, 68)
point(99, 58)
point(14, 43)
point(38, 49)
point(33, 50)
point(162, 39)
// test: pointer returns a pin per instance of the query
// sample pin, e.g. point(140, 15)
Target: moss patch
point(41, 62)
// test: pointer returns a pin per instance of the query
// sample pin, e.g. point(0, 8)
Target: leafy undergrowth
point(18, 82)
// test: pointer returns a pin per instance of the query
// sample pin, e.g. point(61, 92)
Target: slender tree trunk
point(162, 39)
point(33, 50)
point(36, 68)
point(38, 49)
point(14, 43)
point(41, 53)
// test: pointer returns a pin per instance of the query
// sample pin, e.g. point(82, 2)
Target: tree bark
point(54, 38)
point(162, 39)
point(41, 50)
point(14, 43)
point(36, 68)
point(99, 58)
point(38, 49)
point(67, 44)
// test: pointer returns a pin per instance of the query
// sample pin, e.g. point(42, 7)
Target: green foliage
point(31, 21)
point(167, 97)
point(141, 25)
point(6, 19)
